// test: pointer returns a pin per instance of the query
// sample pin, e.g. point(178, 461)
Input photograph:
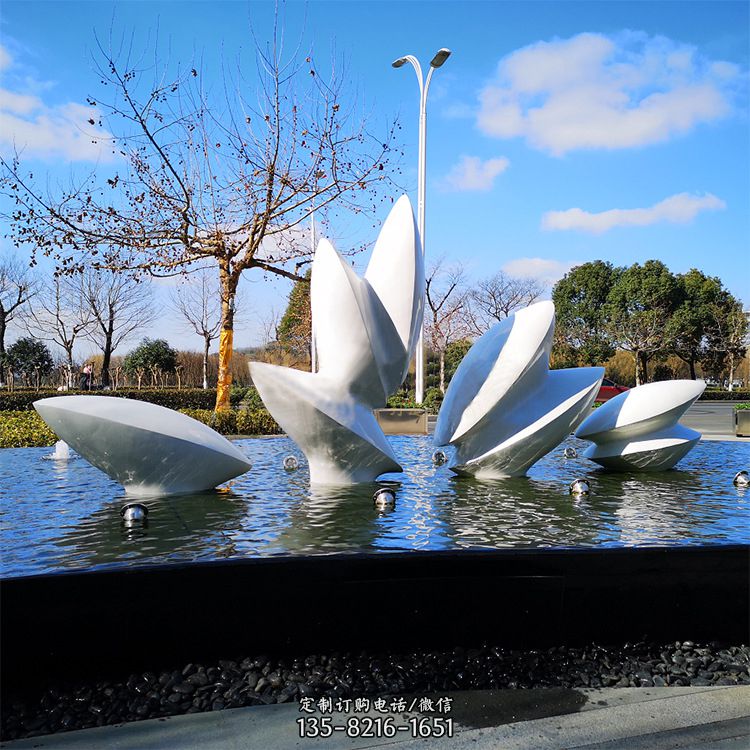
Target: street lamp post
point(424, 85)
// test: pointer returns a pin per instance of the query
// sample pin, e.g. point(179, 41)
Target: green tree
point(155, 356)
point(30, 360)
point(454, 354)
point(294, 333)
point(690, 323)
point(639, 307)
point(581, 323)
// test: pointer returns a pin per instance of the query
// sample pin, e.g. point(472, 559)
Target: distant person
point(88, 372)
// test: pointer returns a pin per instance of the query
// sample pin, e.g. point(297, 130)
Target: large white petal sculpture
point(366, 330)
point(504, 408)
point(148, 449)
point(638, 430)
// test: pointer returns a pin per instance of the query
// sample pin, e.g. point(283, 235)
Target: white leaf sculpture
point(148, 449)
point(366, 331)
point(638, 430)
point(504, 408)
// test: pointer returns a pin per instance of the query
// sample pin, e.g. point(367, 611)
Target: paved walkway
point(606, 719)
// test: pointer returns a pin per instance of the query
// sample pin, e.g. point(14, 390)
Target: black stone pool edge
point(77, 626)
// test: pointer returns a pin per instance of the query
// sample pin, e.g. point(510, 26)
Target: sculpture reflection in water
point(185, 529)
point(637, 430)
point(504, 408)
point(366, 332)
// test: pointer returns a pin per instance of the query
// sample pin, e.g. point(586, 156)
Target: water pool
point(62, 515)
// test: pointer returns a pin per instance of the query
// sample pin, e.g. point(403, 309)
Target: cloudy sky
point(558, 133)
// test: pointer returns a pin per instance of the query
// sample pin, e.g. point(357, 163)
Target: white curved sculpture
point(504, 408)
point(638, 430)
point(366, 331)
point(148, 449)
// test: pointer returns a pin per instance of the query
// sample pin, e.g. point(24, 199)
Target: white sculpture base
point(340, 437)
point(517, 453)
point(638, 431)
point(148, 449)
point(504, 408)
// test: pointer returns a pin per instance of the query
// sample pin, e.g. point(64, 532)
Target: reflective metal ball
point(579, 487)
point(134, 513)
point(741, 479)
point(570, 453)
point(384, 498)
point(439, 458)
point(291, 463)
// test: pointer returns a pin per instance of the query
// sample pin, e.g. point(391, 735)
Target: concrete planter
point(742, 422)
point(402, 421)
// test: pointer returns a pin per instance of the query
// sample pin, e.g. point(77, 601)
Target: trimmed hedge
point(235, 422)
point(741, 395)
point(24, 429)
point(186, 398)
point(433, 398)
point(742, 407)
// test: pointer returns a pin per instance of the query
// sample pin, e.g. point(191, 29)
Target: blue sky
point(558, 132)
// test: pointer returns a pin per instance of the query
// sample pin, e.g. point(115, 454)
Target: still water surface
point(66, 514)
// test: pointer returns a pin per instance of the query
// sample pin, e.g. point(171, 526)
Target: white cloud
point(48, 132)
point(471, 173)
point(542, 269)
point(677, 209)
point(5, 58)
point(600, 92)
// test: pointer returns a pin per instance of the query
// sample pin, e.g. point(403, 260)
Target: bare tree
point(727, 334)
point(224, 178)
point(198, 302)
point(446, 318)
point(17, 287)
point(494, 299)
point(60, 316)
point(119, 306)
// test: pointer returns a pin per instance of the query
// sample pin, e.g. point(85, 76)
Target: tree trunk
point(691, 363)
point(224, 380)
point(207, 346)
point(2, 348)
point(107, 352)
point(69, 352)
point(442, 371)
point(638, 372)
point(644, 366)
point(731, 373)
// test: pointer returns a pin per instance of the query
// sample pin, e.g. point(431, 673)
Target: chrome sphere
point(384, 498)
point(570, 453)
point(291, 463)
point(741, 479)
point(579, 487)
point(439, 457)
point(134, 513)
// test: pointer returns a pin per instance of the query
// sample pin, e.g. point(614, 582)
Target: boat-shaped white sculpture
point(366, 330)
point(637, 430)
point(504, 408)
point(149, 449)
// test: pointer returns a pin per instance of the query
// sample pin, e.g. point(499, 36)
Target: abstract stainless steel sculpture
point(366, 331)
point(504, 408)
point(148, 449)
point(638, 430)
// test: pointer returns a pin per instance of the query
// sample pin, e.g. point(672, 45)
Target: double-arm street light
point(424, 85)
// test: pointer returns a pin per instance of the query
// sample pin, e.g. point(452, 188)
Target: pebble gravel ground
point(261, 680)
